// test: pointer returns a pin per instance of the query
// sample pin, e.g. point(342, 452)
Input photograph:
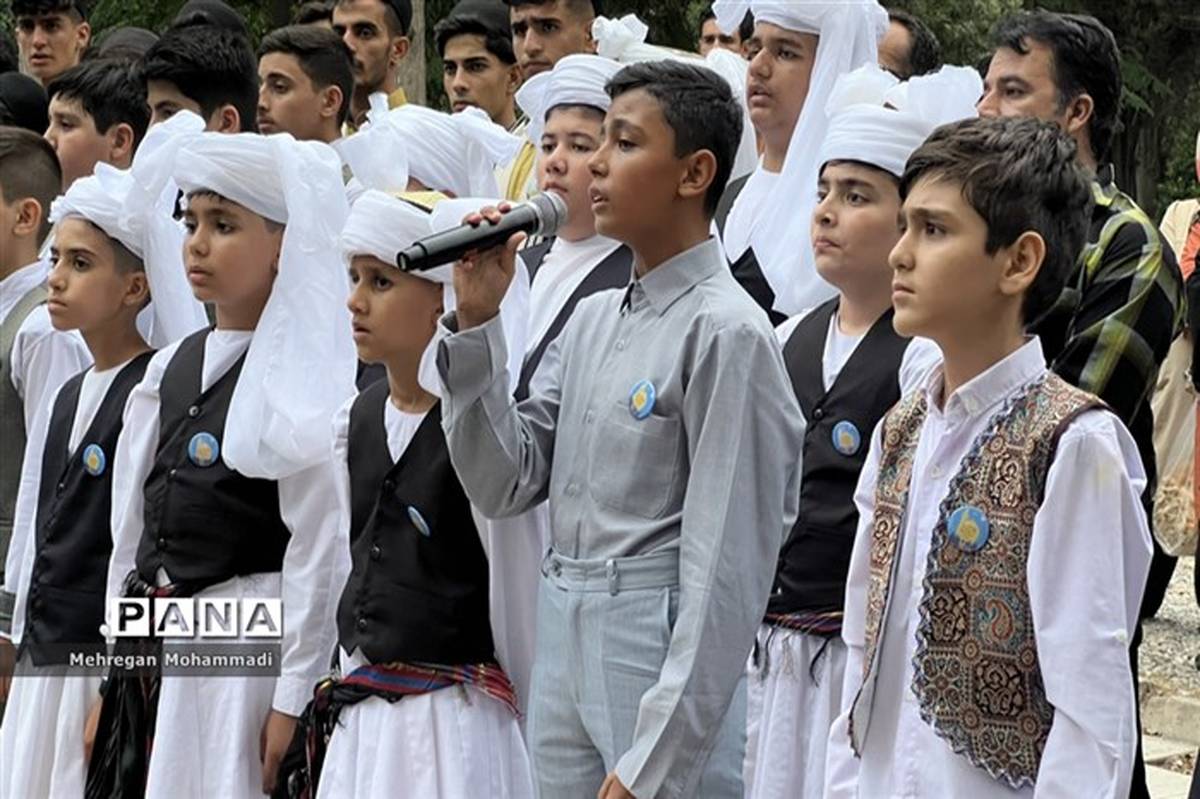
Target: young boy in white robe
point(848, 366)
point(419, 705)
point(116, 240)
point(222, 481)
point(1002, 547)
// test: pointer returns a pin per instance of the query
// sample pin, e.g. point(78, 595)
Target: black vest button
point(62, 486)
point(389, 486)
point(361, 623)
point(819, 414)
point(161, 543)
point(376, 552)
point(194, 411)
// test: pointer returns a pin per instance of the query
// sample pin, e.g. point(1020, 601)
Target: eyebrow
point(847, 183)
point(618, 125)
point(923, 213)
point(80, 250)
point(276, 75)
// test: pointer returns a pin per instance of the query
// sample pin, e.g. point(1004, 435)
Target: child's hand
point(481, 279)
point(613, 789)
point(276, 736)
point(90, 725)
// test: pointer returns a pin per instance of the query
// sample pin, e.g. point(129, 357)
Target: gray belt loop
point(610, 568)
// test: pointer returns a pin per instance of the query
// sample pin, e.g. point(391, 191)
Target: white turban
point(135, 207)
point(381, 226)
point(279, 415)
point(575, 80)
point(624, 41)
point(772, 211)
point(453, 153)
point(875, 119)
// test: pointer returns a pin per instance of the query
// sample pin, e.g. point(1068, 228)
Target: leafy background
point(1160, 45)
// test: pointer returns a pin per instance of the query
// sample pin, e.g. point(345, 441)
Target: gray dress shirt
point(713, 469)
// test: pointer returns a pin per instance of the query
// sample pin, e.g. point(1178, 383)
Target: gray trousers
point(603, 628)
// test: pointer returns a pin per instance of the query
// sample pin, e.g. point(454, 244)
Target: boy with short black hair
point(306, 79)
point(318, 13)
point(546, 30)
point(735, 41)
point(667, 441)
point(98, 114)
point(377, 35)
point(1002, 547)
point(207, 70)
point(51, 35)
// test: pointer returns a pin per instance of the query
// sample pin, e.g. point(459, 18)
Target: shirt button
point(194, 411)
point(572, 490)
point(621, 344)
point(936, 471)
point(589, 417)
point(819, 414)
point(376, 552)
point(361, 624)
point(556, 567)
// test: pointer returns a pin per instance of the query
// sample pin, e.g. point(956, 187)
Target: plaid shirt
point(1113, 325)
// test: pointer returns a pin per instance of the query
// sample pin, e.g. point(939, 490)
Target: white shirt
point(1088, 559)
point(42, 358)
point(920, 357)
point(747, 210)
point(562, 270)
point(18, 571)
point(307, 506)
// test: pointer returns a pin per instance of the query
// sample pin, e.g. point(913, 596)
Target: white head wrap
point(875, 119)
point(454, 153)
point(381, 226)
point(770, 213)
point(135, 207)
point(575, 80)
point(624, 41)
point(300, 365)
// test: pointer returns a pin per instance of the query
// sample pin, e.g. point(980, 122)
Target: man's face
point(545, 32)
point(711, 36)
point(362, 24)
point(76, 142)
point(1022, 86)
point(473, 76)
point(894, 51)
point(779, 76)
point(51, 43)
point(288, 102)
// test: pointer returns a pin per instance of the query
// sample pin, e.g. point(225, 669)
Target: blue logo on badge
point(419, 522)
point(203, 450)
point(94, 460)
point(641, 399)
point(969, 528)
point(846, 438)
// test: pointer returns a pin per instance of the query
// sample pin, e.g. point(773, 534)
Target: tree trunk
point(412, 69)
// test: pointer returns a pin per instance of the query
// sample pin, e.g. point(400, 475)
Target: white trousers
point(41, 740)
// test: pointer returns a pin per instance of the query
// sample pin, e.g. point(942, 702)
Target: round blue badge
point(203, 450)
point(94, 460)
point(641, 399)
point(419, 522)
point(969, 528)
point(846, 438)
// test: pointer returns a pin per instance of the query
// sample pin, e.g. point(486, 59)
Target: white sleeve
point(42, 360)
point(1088, 560)
point(841, 764)
point(920, 358)
point(18, 566)
point(136, 448)
point(309, 505)
point(340, 571)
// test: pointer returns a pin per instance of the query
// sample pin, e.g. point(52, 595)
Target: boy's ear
point(1024, 261)
point(83, 35)
point(331, 101)
point(137, 293)
point(400, 46)
point(29, 218)
point(699, 173)
point(120, 150)
point(514, 80)
point(225, 119)
point(1079, 113)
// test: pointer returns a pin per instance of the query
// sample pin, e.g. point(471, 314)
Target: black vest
point(204, 524)
point(73, 540)
point(614, 272)
point(746, 270)
point(813, 563)
point(418, 585)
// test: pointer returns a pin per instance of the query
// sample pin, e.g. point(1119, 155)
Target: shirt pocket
point(636, 463)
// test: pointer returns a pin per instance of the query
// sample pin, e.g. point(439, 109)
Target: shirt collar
point(1104, 188)
point(991, 387)
point(674, 277)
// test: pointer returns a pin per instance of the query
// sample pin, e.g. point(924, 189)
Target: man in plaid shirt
point(1112, 327)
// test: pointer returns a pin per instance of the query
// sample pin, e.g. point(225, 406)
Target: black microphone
point(541, 216)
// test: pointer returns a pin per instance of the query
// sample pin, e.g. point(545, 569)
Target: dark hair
point(9, 60)
point(1086, 61)
point(322, 54)
point(745, 27)
point(110, 91)
point(486, 18)
point(925, 53)
point(23, 103)
point(577, 6)
point(312, 12)
point(862, 164)
point(210, 65)
point(29, 168)
point(36, 8)
point(698, 106)
point(396, 13)
point(211, 12)
point(126, 43)
point(1020, 175)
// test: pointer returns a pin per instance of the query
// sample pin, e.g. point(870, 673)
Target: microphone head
point(551, 211)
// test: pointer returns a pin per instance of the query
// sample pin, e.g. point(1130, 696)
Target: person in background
point(314, 12)
point(376, 31)
point(546, 30)
point(306, 79)
point(23, 103)
point(51, 35)
point(735, 41)
point(909, 47)
point(207, 70)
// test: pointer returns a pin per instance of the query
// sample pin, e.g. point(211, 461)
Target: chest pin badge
point(641, 399)
point(94, 461)
point(203, 449)
point(969, 528)
point(846, 438)
point(419, 522)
